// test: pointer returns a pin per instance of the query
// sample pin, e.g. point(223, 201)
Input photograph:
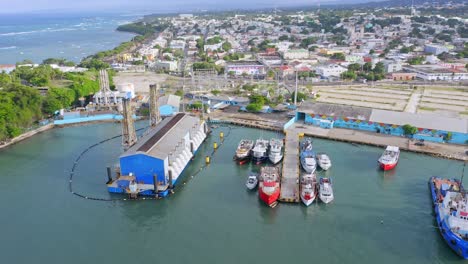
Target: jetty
point(290, 175)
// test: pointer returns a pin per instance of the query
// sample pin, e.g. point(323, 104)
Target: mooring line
point(77, 160)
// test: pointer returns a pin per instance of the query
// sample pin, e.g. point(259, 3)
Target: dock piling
point(109, 175)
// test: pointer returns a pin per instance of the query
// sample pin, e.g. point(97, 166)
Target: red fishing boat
point(389, 158)
point(269, 187)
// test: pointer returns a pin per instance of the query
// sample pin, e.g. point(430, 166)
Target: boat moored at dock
point(259, 152)
point(269, 186)
point(307, 156)
point(323, 160)
point(243, 151)
point(326, 190)
point(451, 212)
point(275, 153)
point(308, 188)
point(389, 158)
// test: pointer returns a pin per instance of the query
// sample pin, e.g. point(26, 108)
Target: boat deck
point(290, 175)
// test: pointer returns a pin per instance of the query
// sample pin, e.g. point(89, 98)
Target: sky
point(150, 6)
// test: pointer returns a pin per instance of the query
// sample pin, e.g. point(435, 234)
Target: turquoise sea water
point(71, 36)
point(212, 218)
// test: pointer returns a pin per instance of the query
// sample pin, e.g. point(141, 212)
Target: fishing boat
point(243, 151)
point(307, 156)
point(326, 190)
point(308, 188)
point(451, 212)
point(269, 186)
point(308, 161)
point(276, 150)
point(252, 181)
point(306, 145)
point(389, 158)
point(259, 152)
point(323, 160)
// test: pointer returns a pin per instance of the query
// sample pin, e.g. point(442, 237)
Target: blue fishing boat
point(451, 212)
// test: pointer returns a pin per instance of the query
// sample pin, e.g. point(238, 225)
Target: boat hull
point(242, 161)
point(387, 166)
point(326, 199)
point(269, 198)
point(453, 241)
point(259, 160)
point(251, 186)
point(307, 202)
point(324, 167)
point(275, 159)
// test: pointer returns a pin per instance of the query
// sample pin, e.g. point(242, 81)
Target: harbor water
point(212, 217)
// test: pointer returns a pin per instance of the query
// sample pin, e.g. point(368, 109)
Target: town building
point(293, 54)
point(435, 49)
point(165, 66)
point(403, 76)
point(330, 70)
point(245, 67)
point(437, 73)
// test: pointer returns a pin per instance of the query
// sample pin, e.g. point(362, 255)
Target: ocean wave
point(7, 48)
point(37, 31)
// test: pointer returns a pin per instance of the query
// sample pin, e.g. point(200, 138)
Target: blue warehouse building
point(161, 154)
point(430, 127)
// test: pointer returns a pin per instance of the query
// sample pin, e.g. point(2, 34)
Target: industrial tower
point(129, 137)
point(104, 86)
point(155, 116)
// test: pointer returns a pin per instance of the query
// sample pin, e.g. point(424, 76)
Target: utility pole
point(129, 137)
point(155, 116)
point(295, 92)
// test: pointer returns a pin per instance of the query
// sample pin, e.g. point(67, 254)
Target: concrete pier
point(290, 175)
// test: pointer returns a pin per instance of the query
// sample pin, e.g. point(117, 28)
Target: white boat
point(244, 150)
point(252, 181)
point(326, 190)
point(323, 161)
point(306, 145)
point(276, 150)
point(259, 152)
point(308, 161)
point(308, 188)
point(389, 158)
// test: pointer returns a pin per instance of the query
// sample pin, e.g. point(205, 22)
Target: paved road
point(413, 102)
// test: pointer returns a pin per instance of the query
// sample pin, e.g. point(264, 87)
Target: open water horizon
point(71, 36)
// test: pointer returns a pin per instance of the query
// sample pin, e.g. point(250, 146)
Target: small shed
point(169, 105)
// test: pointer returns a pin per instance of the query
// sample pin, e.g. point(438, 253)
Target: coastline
point(51, 126)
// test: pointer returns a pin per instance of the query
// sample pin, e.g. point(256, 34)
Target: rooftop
point(353, 112)
point(160, 141)
point(428, 121)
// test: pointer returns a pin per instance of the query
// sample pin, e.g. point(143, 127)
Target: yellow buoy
point(215, 145)
point(221, 135)
point(207, 159)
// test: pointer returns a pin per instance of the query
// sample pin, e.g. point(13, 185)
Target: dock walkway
point(290, 175)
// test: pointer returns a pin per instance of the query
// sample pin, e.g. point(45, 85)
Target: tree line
point(21, 103)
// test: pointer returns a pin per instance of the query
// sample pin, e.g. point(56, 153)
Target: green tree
point(367, 66)
point(354, 67)
point(349, 75)
point(227, 46)
point(300, 96)
point(338, 56)
point(409, 129)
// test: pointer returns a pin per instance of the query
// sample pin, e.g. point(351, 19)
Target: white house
point(330, 70)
